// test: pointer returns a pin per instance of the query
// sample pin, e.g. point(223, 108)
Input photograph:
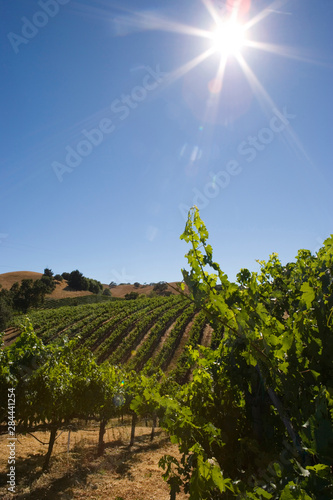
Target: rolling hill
point(62, 291)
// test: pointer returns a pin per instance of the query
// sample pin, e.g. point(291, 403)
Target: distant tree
point(136, 285)
point(31, 293)
point(48, 272)
point(38, 291)
point(48, 283)
point(58, 277)
point(22, 295)
point(161, 287)
point(85, 283)
point(107, 292)
point(66, 276)
point(112, 284)
point(94, 286)
point(6, 308)
point(77, 281)
point(131, 296)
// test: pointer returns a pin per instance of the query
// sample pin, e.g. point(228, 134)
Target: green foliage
point(48, 272)
point(6, 308)
point(268, 382)
point(95, 286)
point(46, 377)
point(57, 382)
point(131, 296)
point(76, 301)
point(76, 281)
point(184, 362)
point(23, 296)
point(160, 288)
point(47, 283)
point(180, 311)
point(254, 421)
point(144, 395)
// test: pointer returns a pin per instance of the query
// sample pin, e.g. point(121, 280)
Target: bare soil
point(122, 473)
point(207, 336)
point(180, 348)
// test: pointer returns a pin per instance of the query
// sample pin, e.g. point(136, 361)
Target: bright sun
point(228, 38)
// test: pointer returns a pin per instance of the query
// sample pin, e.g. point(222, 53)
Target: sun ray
point(284, 51)
point(185, 68)
point(265, 12)
point(211, 112)
point(150, 21)
point(268, 104)
point(212, 11)
point(135, 21)
point(263, 97)
point(131, 21)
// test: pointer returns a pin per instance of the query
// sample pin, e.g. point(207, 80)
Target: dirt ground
point(76, 472)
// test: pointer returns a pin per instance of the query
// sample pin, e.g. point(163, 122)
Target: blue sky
point(113, 125)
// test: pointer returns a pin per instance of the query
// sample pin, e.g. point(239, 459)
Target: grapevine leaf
point(308, 294)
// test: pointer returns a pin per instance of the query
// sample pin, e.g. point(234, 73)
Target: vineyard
point(109, 342)
point(129, 333)
point(239, 375)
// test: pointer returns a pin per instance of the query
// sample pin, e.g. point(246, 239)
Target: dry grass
point(8, 279)
point(61, 291)
point(123, 473)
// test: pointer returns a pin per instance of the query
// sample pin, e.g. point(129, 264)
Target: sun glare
point(228, 38)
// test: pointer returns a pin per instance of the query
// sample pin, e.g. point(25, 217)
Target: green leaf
point(318, 467)
point(308, 294)
point(263, 493)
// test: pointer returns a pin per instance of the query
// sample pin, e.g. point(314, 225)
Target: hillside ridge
point(62, 291)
